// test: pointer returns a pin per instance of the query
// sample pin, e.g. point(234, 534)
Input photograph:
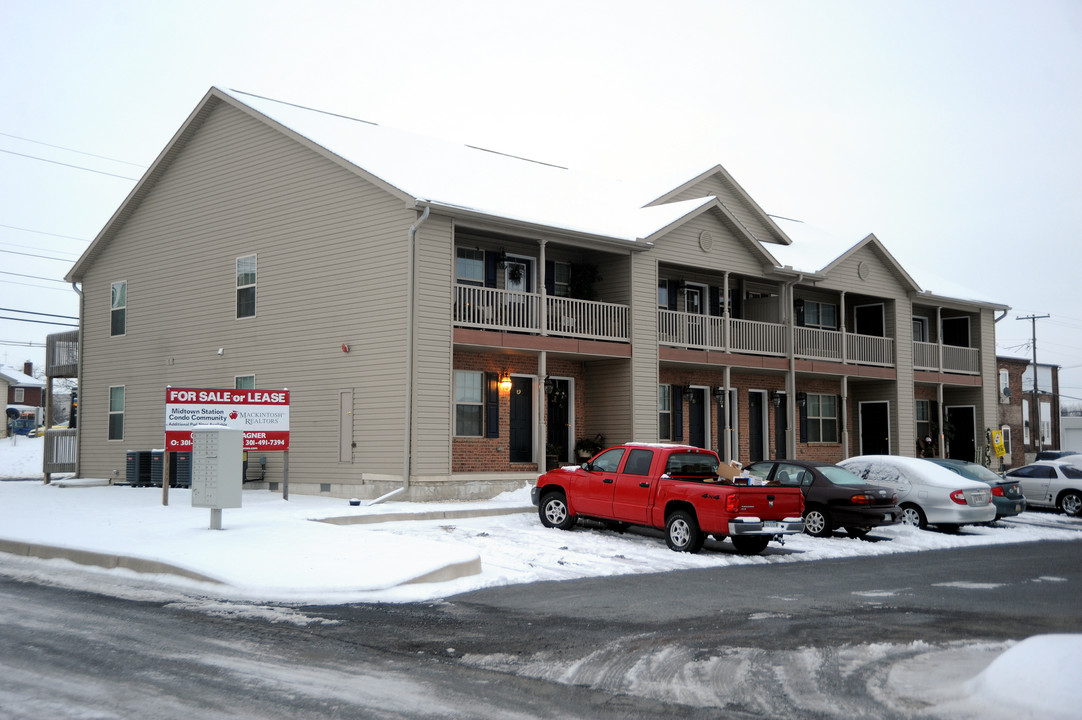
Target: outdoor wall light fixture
point(775, 398)
point(719, 393)
point(802, 399)
point(505, 380)
point(549, 385)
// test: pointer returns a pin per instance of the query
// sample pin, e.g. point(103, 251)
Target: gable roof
point(776, 234)
point(422, 171)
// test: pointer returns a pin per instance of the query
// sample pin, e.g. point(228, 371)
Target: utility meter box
point(216, 466)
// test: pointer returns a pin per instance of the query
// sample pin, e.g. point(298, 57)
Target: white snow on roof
point(482, 181)
point(17, 378)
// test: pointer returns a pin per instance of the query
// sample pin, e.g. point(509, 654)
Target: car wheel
point(554, 513)
point(913, 515)
point(1071, 503)
point(682, 532)
point(817, 522)
point(857, 532)
point(750, 544)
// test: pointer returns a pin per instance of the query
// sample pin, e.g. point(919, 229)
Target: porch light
point(549, 386)
point(505, 381)
point(775, 398)
point(802, 399)
point(719, 393)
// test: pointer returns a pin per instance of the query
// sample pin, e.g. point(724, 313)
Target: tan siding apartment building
point(454, 320)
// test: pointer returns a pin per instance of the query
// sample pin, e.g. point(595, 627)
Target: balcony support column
point(726, 413)
point(942, 439)
point(845, 339)
point(725, 322)
point(541, 446)
point(543, 311)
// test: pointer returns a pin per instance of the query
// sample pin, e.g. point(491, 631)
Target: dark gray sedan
point(833, 496)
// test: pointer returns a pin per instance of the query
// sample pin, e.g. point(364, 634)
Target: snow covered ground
point(271, 551)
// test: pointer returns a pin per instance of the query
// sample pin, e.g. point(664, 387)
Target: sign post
point(261, 415)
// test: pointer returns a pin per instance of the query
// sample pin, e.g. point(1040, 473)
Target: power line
point(40, 322)
point(61, 147)
point(42, 232)
point(74, 255)
point(31, 312)
point(77, 167)
point(33, 277)
point(21, 343)
point(46, 257)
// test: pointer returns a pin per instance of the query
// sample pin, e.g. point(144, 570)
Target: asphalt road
point(826, 639)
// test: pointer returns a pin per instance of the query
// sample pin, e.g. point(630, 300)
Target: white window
point(664, 412)
point(116, 412)
point(1006, 438)
point(1004, 386)
point(561, 279)
point(923, 409)
point(470, 266)
point(820, 315)
point(822, 418)
point(244, 382)
point(469, 403)
point(663, 294)
point(920, 329)
point(1025, 423)
point(118, 308)
point(19, 395)
point(246, 286)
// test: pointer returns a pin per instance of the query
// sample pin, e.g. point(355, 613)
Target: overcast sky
point(950, 129)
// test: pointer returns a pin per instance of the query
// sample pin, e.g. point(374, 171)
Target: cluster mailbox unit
point(216, 469)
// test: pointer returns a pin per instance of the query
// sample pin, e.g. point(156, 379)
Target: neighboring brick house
point(445, 317)
point(23, 388)
point(1033, 426)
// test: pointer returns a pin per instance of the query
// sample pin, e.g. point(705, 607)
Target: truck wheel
point(817, 522)
point(682, 532)
point(553, 511)
point(1071, 503)
point(913, 515)
point(750, 544)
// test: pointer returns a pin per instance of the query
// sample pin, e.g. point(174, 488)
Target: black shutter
point(491, 259)
point(798, 307)
point(672, 285)
point(734, 303)
point(677, 413)
point(492, 405)
point(804, 420)
point(550, 277)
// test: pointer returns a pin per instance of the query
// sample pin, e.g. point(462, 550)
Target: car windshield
point(840, 476)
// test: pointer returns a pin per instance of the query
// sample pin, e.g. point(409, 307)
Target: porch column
point(939, 344)
point(725, 321)
point(727, 445)
point(541, 446)
point(844, 419)
point(939, 412)
point(543, 310)
point(845, 339)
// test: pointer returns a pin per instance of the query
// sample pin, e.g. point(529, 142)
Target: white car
point(927, 493)
point(1052, 483)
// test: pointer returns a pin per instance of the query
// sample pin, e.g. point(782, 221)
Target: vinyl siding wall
point(331, 265)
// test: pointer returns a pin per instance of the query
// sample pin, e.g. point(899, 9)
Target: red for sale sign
point(263, 416)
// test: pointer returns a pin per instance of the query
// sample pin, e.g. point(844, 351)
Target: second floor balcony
point(513, 311)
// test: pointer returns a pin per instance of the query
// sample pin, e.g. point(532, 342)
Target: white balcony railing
point(946, 358)
point(754, 337)
point(511, 311)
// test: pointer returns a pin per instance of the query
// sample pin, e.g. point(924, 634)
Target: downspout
point(407, 449)
point(78, 382)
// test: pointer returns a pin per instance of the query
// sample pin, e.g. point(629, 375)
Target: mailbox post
point(216, 469)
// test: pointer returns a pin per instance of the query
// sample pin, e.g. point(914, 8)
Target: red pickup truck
point(683, 489)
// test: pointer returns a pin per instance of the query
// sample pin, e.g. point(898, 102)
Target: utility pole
point(1036, 389)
